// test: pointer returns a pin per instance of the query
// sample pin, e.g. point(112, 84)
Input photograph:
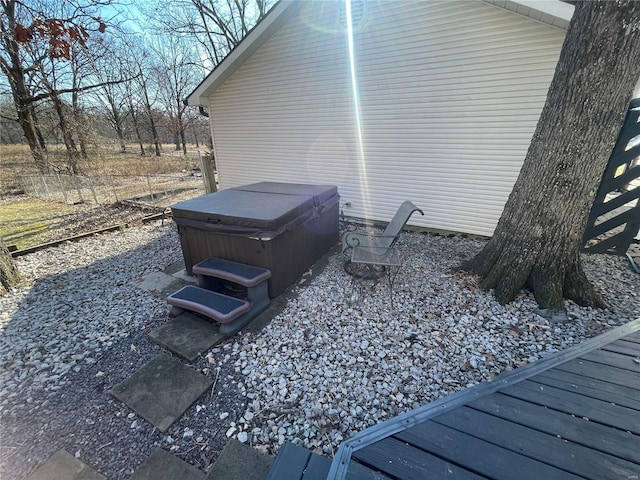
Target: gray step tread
point(217, 306)
point(240, 273)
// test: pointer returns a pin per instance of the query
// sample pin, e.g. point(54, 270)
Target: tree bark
point(136, 127)
point(29, 125)
point(9, 275)
point(73, 155)
point(176, 139)
point(149, 112)
point(538, 239)
point(183, 139)
point(22, 98)
point(195, 135)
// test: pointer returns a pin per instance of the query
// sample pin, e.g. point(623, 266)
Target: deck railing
point(614, 221)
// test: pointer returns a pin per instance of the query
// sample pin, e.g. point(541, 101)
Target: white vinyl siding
point(449, 96)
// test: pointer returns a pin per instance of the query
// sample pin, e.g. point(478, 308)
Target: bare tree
point(14, 68)
point(9, 275)
point(177, 76)
point(228, 22)
point(10, 131)
point(50, 82)
point(80, 67)
point(21, 26)
point(134, 114)
point(216, 25)
point(110, 68)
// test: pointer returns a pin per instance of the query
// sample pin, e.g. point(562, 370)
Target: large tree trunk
point(176, 140)
point(22, 98)
point(156, 140)
point(32, 133)
point(9, 275)
point(538, 239)
point(195, 135)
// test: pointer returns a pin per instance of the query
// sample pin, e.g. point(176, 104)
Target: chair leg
point(392, 278)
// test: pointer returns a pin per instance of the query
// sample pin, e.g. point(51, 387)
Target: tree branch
point(43, 96)
point(11, 119)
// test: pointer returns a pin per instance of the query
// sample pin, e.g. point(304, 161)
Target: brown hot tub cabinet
point(284, 227)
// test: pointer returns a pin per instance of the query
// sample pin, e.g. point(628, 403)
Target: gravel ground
point(340, 357)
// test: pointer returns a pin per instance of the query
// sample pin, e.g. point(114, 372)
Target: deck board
point(633, 337)
point(478, 455)
point(554, 451)
point(574, 414)
point(624, 347)
point(356, 471)
point(598, 394)
point(317, 468)
point(613, 359)
point(571, 403)
point(600, 372)
point(397, 459)
point(589, 434)
point(625, 395)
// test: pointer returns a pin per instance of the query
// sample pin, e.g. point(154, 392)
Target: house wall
point(449, 94)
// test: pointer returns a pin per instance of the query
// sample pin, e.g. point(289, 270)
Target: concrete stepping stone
point(187, 335)
point(162, 465)
point(239, 461)
point(63, 466)
point(156, 282)
point(162, 390)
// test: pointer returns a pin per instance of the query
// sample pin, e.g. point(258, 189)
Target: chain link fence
point(151, 191)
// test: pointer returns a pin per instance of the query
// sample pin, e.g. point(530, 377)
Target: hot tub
point(284, 227)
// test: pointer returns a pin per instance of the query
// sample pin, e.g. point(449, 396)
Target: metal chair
point(381, 243)
point(373, 256)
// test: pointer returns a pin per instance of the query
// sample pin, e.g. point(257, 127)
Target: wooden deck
point(575, 414)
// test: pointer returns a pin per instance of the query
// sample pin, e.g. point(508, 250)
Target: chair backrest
point(388, 237)
point(399, 220)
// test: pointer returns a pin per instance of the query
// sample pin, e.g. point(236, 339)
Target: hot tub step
point(251, 281)
point(240, 273)
point(221, 308)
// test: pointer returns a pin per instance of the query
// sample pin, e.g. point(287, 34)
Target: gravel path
point(336, 360)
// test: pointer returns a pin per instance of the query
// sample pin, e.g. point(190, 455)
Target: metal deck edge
point(408, 419)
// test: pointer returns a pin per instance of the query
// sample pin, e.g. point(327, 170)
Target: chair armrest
point(355, 239)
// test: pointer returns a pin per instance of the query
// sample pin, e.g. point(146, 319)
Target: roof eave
point(277, 17)
point(552, 12)
point(555, 13)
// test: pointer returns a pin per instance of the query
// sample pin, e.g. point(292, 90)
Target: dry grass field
point(16, 161)
point(26, 221)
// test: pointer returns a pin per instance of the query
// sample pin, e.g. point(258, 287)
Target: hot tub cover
point(262, 210)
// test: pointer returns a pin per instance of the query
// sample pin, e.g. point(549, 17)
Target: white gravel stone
point(325, 367)
point(329, 367)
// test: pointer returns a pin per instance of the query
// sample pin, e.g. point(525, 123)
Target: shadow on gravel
point(77, 333)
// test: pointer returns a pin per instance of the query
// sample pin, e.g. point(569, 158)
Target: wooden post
point(206, 165)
